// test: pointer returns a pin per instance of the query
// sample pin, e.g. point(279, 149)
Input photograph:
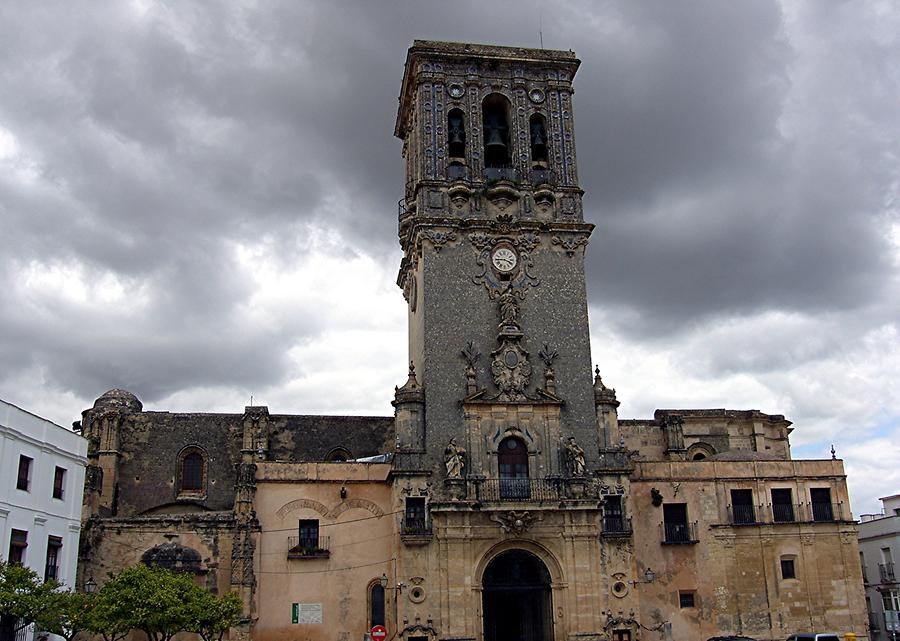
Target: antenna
point(251, 400)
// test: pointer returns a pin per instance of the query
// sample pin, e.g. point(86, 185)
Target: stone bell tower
point(493, 237)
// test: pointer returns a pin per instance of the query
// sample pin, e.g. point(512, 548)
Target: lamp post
point(649, 577)
point(383, 581)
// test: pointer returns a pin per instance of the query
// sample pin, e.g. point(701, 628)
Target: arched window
point(456, 136)
point(537, 127)
point(512, 463)
point(376, 605)
point(193, 472)
point(338, 455)
point(495, 120)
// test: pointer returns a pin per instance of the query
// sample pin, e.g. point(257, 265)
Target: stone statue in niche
point(454, 460)
point(509, 308)
point(574, 458)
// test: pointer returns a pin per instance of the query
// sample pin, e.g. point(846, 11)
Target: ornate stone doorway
point(517, 600)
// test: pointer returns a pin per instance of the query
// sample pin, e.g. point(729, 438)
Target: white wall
point(36, 511)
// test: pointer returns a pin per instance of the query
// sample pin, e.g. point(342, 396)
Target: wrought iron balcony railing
point(742, 514)
point(308, 547)
point(543, 177)
point(785, 512)
point(501, 173)
point(886, 572)
point(415, 526)
point(457, 172)
point(616, 525)
point(824, 512)
point(679, 533)
point(517, 490)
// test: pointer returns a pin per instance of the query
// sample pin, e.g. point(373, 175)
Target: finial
point(833, 453)
point(597, 371)
point(412, 370)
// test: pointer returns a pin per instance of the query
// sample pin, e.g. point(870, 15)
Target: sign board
point(306, 613)
point(378, 632)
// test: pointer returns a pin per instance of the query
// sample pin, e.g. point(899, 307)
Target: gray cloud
point(739, 160)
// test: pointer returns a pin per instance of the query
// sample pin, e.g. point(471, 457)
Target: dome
point(119, 399)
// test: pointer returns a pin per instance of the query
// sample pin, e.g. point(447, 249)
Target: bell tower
point(493, 237)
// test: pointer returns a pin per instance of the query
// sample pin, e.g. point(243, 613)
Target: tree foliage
point(23, 595)
point(161, 604)
point(156, 601)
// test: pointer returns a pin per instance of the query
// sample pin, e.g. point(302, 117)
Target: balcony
point(308, 547)
point(742, 515)
point(679, 533)
point(415, 530)
point(616, 525)
point(530, 490)
point(886, 572)
point(543, 177)
point(825, 512)
point(785, 512)
point(496, 174)
point(457, 172)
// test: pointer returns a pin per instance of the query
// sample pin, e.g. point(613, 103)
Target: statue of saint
point(453, 459)
point(509, 307)
point(574, 458)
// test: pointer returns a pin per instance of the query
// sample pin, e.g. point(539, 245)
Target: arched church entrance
point(517, 600)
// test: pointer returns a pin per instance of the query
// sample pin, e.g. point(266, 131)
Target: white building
point(41, 480)
point(879, 545)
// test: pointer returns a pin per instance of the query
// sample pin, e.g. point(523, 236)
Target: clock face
point(504, 259)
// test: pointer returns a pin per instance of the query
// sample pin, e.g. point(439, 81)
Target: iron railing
point(785, 512)
point(822, 512)
point(741, 514)
point(501, 173)
point(517, 490)
point(415, 526)
point(886, 572)
point(679, 533)
point(616, 525)
point(543, 177)
point(457, 172)
point(306, 547)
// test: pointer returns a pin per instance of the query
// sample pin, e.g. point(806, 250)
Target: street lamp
point(649, 577)
point(90, 586)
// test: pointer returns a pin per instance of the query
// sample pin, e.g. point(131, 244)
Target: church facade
point(504, 499)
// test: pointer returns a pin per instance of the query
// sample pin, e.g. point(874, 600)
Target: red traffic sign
point(378, 633)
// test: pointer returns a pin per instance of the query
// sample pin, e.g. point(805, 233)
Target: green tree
point(67, 613)
point(24, 597)
point(161, 604)
point(212, 616)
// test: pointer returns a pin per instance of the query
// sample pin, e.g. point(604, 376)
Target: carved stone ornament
point(570, 242)
point(438, 238)
point(471, 357)
point(520, 279)
point(515, 523)
point(510, 368)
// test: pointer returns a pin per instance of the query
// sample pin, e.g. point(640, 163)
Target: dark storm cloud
point(731, 168)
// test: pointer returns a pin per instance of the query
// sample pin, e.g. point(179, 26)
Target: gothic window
point(537, 127)
point(512, 465)
point(456, 136)
point(495, 120)
point(193, 471)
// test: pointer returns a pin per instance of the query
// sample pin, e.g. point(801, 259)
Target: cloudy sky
point(198, 203)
